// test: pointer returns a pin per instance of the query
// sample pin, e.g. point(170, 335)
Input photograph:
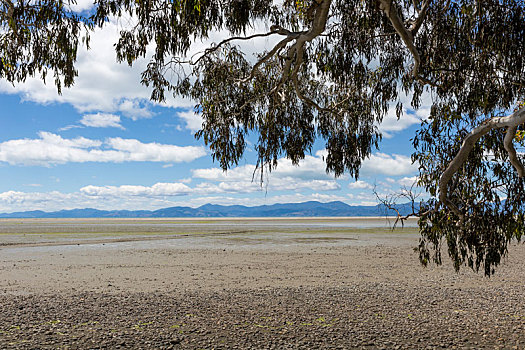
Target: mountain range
point(306, 209)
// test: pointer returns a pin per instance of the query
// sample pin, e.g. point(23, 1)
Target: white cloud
point(11, 201)
point(310, 168)
point(103, 85)
point(81, 5)
point(385, 164)
point(299, 198)
point(391, 125)
point(240, 173)
point(101, 120)
point(136, 151)
point(16, 200)
point(157, 190)
point(106, 86)
point(407, 181)
point(69, 127)
point(363, 198)
point(160, 195)
point(52, 149)
point(263, 200)
point(359, 184)
point(309, 175)
point(293, 184)
point(135, 109)
point(192, 120)
point(205, 188)
point(273, 185)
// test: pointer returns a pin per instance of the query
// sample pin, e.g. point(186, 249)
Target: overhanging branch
point(510, 122)
point(225, 41)
point(294, 54)
point(407, 35)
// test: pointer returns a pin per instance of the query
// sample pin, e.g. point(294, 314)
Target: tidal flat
point(279, 283)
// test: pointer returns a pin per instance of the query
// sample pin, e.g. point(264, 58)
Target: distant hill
point(306, 209)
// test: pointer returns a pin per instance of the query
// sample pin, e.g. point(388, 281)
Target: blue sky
point(102, 144)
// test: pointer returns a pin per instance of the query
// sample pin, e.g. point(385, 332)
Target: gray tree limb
point(407, 34)
point(510, 122)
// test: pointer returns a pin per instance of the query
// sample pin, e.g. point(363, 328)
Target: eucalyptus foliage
point(39, 37)
point(333, 71)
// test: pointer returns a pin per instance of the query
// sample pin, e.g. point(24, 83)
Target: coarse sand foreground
point(266, 287)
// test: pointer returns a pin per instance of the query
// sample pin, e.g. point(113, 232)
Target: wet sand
point(246, 284)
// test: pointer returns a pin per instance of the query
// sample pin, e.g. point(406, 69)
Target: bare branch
point(389, 202)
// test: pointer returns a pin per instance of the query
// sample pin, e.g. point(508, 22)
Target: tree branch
point(509, 147)
point(294, 54)
point(389, 202)
point(420, 18)
point(416, 5)
point(225, 41)
point(280, 45)
point(407, 35)
point(511, 122)
point(10, 6)
point(297, 50)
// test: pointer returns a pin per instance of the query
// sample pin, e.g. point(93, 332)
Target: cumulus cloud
point(52, 149)
point(240, 173)
point(359, 184)
point(274, 185)
point(192, 120)
point(391, 125)
point(81, 5)
point(310, 174)
point(11, 201)
point(407, 181)
point(106, 86)
point(310, 168)
point(385, 164)
point(101, 120)
point(103, 84)
point(264, 199)
point(135, 109)
point(141, 197)
point(33, 200)
point(157, 190)
point(206, 186)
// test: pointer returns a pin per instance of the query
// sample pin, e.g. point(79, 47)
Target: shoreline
point(263, 290)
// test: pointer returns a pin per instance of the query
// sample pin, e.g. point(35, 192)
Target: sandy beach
point(246, 284)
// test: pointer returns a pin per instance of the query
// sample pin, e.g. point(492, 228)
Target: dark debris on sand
point(367, 316)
